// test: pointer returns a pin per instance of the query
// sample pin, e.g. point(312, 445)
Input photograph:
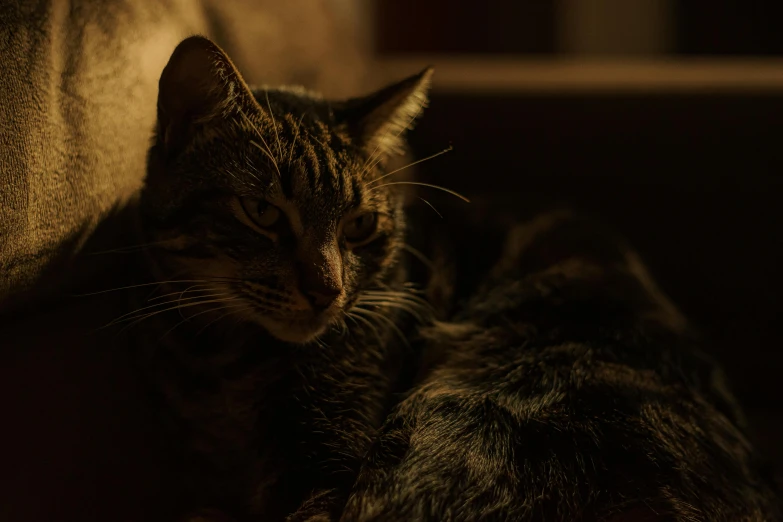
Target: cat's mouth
point(297, 330)
point(298, 327)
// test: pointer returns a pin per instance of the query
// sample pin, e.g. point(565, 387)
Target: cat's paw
point(207, 515)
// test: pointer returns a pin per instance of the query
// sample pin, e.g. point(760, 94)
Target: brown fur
point(273, 346)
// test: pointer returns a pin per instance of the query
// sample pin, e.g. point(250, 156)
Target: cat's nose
point(321, 291)
point(324, 298)
point(320, 275)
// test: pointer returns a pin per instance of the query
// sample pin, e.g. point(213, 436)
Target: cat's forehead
point(317, 192)
point(295, 154)
point(321, 182)
point(307, 151)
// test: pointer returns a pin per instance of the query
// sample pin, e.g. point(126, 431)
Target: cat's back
point(570, 388)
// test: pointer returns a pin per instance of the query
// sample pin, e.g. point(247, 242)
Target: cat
point(77, 102)
point(278, 335)
point(567, 387)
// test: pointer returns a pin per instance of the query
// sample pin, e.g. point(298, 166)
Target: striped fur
point(274, 394)
point(568, 388)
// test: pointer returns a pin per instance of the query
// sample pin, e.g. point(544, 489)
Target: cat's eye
point(361, 228)
point(261, 212)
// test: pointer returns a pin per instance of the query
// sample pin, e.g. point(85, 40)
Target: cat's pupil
point(262, 208)
point(260, 211)
point(361, 227)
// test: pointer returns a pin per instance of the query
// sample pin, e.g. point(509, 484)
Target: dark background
point(692, 178)
point(518, 27)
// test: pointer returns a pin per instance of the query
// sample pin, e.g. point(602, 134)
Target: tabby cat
point(278, 334)
point(77, 103)
point(568, 388)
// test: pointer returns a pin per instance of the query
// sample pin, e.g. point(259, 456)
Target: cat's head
point(270, 202)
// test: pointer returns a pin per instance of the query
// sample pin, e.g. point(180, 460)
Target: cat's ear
point(379, 121)
point(198, 85)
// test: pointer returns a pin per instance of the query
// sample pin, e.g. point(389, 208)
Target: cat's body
point(567, 388)
point(278, 331)
point(258, 425)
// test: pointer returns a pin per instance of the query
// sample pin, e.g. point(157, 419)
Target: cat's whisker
point(378, 150)
point(230, 173)
point(395, 171)
point(186, 319)
point(232, 310)
point(419, 313)
point(147, 316)
point(185, 291)
point(393, 304)
point(371, 160)
point(419, 183)
point(343, 327)
point(431, 206)
point(380, 157)
point(248, 168)
point(354, 314)
point(419, 255)
point(265, 149)
point(162, 303)
point(193, 288)
point(411, 295)
point(252, 170)
point(407, 288)
point(397, 294)
point(338, 327)
point(424, 307)
point(267, 290)
point(141, 317)
point(269, 155)
point(293, 143)
point(274, 124)
point(190, 288)
point(130, 287)
point(347, 315)
point(381, 317)
point(156, 289)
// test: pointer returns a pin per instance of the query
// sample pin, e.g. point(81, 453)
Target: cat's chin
point(294, 332)
point(296, 336)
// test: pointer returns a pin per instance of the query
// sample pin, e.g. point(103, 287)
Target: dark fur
point(275, 407)
point(568, 388)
